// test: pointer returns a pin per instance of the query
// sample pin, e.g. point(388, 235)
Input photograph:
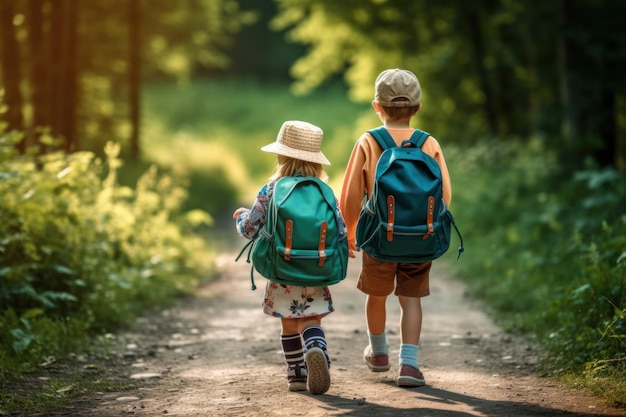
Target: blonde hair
point(288, 167)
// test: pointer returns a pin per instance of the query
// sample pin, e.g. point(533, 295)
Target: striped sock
point(408, 355)
point(314, 337)
point(379, 344)
point(292, 349)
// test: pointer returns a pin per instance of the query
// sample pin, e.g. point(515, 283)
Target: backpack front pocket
point(407, 242)
point(306, 265)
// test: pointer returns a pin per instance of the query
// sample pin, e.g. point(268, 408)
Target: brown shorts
point(379, 278)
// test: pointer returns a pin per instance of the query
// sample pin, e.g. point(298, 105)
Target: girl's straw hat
point(299, 140)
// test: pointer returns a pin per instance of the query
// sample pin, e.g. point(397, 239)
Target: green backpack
point(299, 243)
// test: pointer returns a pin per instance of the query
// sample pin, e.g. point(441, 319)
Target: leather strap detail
point(391, 215)
point(322, 245)
point(430, 218)
point(288, 239)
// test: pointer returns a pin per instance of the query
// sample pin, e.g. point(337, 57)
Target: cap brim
point(391, 103)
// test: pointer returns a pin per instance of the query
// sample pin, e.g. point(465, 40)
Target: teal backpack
point(405, 219)
point(299, 243)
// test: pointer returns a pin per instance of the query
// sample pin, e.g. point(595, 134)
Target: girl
point(300, 309)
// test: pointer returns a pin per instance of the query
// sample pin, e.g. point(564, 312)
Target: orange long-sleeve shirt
point(358, 180)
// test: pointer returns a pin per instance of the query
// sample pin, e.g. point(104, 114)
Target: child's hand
point(238, 212)
point(351, 254)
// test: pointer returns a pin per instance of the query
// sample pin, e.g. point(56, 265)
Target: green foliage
point(216, 128)
point(85, 84)
point(502, 69)
point(81, 254)
point(548, 255)
point(278, 53)
point(434, 39)
point(183, 37)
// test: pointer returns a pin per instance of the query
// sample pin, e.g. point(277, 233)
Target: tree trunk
point(611, 69)
point(71, 75)
point(63, 71)
point(569, 96)
point(605, 153)
point(11, 70)
point(591, 76)
point(54, 66)
point(38, 79)
point(134, 75)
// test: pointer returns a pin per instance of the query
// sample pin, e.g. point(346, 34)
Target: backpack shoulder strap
point(383, 137)
point(417, 138)
point(288, 184)
point(327, 192)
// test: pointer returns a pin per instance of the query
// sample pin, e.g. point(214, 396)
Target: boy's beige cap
point(397, 83)
point(299, 140)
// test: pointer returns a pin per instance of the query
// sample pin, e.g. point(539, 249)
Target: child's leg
point(376, 353)
point(376, 317)
point(291, 342)
point(377, 280)
point(410, 330)
point(410, 319)
point(313, 335)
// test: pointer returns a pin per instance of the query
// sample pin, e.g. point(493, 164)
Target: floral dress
point(285, 301)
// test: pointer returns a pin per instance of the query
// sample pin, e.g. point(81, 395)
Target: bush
point(547, 255)
point(80, 254)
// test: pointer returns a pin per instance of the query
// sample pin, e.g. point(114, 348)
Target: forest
point(512, 69)
point(126, 128)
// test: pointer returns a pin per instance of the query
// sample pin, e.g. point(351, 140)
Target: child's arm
point(248, 222)
point(355, 187)
point(341, 223)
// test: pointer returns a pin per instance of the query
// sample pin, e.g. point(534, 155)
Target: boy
point(397, 100)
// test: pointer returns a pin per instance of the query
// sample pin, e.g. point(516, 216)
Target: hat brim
point(280, 149)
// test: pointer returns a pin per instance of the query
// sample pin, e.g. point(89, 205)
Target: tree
point(64, 71)
point(488, 68)
point(278, 54)
point(134, 74)
point(81, 64)
point(39, 82)
point(11, 68)
point(594, 60)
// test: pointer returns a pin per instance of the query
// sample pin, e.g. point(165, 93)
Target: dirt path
point(217, 354)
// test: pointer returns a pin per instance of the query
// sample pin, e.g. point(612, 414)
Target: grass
point(609, 385)
point(55, 393)
point(547, 257)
